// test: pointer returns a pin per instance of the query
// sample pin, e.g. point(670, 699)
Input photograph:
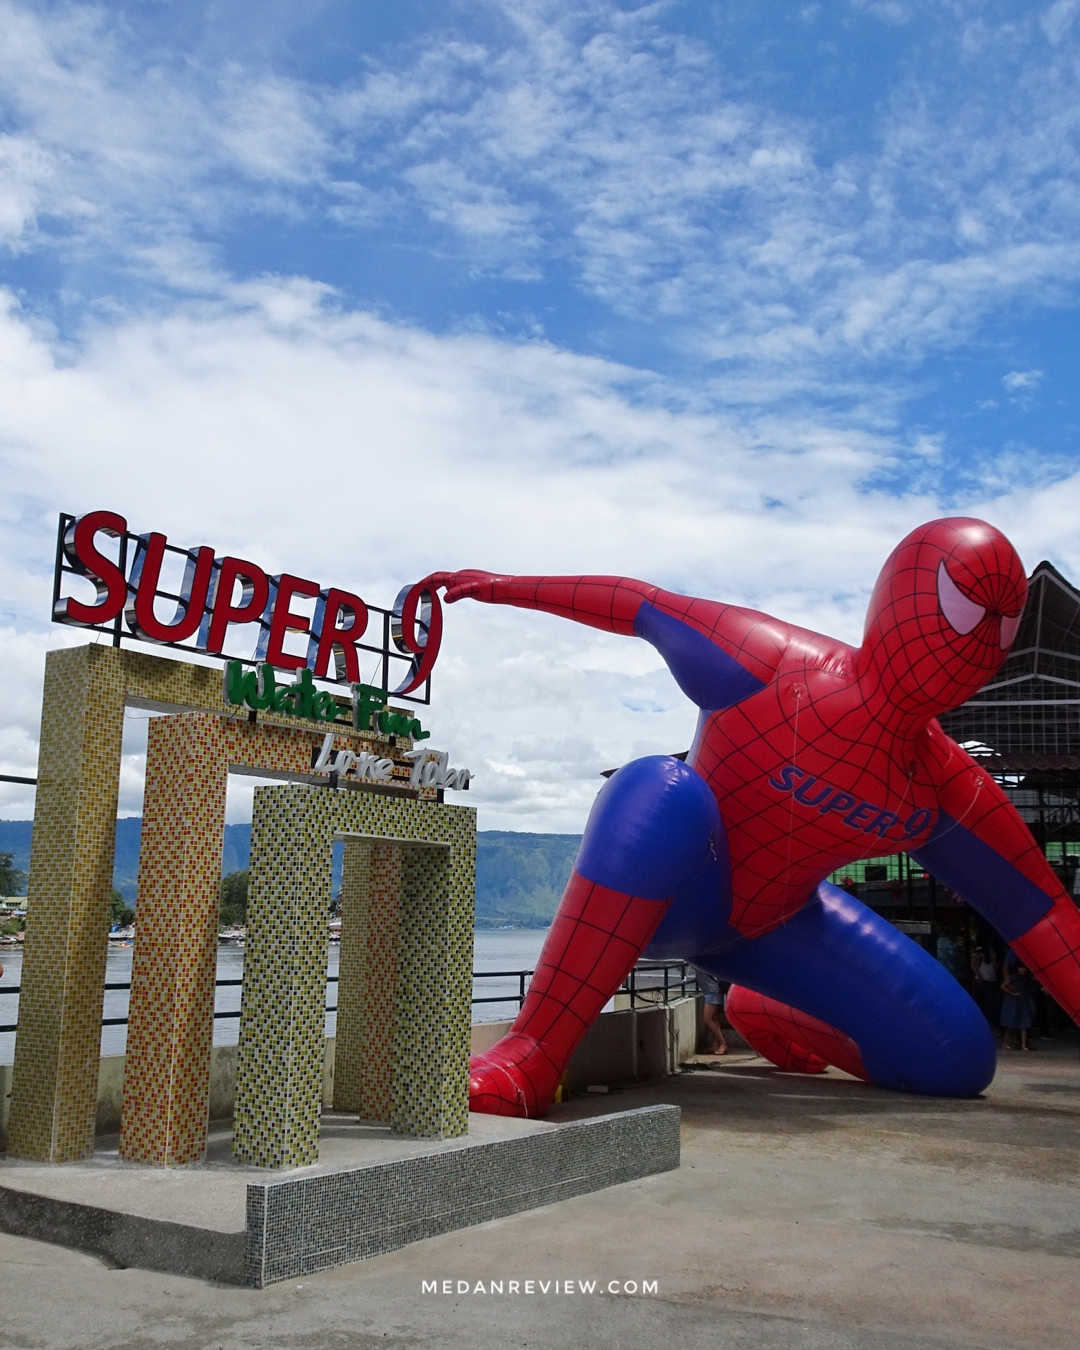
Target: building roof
point(1029, 715)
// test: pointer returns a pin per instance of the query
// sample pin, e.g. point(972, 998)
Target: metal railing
point(121, 987)
point(650, 984)
point(520, 975)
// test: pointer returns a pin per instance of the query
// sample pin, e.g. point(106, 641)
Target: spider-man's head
point(943, 615)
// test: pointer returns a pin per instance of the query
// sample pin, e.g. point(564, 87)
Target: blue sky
point(725, 295)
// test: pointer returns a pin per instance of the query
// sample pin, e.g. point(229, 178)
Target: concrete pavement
point(807, 1213)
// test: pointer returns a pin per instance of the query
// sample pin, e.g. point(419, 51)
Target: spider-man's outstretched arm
point(983, 850)
point(717, 653)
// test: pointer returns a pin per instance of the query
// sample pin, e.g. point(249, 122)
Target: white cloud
point(1021, 386)
point(25, 171)
point(590, 144)
point(599, 139)
point(1058, 19)
point(272, 130)
point(482, 210)
point(127, 154)
point(593, 140)
point(1019, 380)
point(283, 428)
point(892, 11)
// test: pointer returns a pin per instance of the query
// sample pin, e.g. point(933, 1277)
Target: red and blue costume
point(809, 754)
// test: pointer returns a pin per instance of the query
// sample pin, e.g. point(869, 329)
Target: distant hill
point(15, 839)
point(519, 877)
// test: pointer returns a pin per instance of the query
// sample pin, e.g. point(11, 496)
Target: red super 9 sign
point(218, 592)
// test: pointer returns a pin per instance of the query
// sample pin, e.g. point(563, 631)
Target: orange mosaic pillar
point(367, 977)
point(171, 1010)
point(58, 1044)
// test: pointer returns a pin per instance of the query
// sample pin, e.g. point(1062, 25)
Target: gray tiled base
point(299, 1224)
point(124, 1239)
point(296, 1227)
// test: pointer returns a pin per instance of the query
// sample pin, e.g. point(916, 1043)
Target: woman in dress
point(1017, 1005)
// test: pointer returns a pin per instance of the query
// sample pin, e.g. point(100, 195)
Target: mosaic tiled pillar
point(422, 1063)
point(58, 1046)
point(58, 1043)
point(278, 1091)
point(282, 1018)
point(167, 1074)
point(171, 1011)
point(367, 977)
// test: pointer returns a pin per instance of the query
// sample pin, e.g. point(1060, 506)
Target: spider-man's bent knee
point(654, 827)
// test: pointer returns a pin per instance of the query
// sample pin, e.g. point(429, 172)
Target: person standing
point(984, 979)
point(713, 1000)
point(1017, 1005)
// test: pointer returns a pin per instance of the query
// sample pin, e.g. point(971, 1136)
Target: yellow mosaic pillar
point(58, 1045)
point(367, 977)
point(171, 1010)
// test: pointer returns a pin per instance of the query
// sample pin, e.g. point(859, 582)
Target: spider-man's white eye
point(961, 614)
point(1009, 628)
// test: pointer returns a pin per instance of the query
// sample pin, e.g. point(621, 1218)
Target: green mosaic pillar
point(367, 977)
point(58, 1044)
point(419, 1097)
point(282, 1018)
point(279, 1072)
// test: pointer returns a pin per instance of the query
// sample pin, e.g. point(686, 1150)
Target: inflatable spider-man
point(808, 755)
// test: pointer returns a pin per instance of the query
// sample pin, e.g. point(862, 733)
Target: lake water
point(508, 949)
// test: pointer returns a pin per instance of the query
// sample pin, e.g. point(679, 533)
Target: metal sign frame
point(119, 633)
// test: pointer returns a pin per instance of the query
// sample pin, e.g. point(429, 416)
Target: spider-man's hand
point(469, 584)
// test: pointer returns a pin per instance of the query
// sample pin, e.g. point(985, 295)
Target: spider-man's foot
point(515, 1078)
point(591, 947)
point(790, 1039)
point(655, 827)
point(836, 970)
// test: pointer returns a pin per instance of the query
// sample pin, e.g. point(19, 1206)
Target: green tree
point(234, 894)
point(12, 881)
point(119, 910)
